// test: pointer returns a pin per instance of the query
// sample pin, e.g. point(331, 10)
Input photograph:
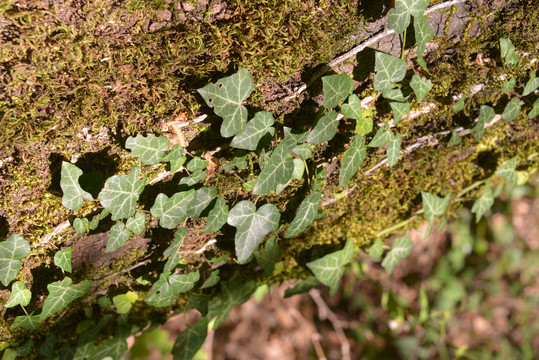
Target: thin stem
point(403, 43)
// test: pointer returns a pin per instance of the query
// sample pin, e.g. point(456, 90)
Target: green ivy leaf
point(169, 287)
point(303, 150)
point(395, 94)
point(512, 109)
point(388, 69)
point(212, 280)
point(399, 110)
point(299, 168)
point(251, 226)
point(11, 252)
point(73, 192)
point(329, 269)
point(336, 88)
point(257, 128)
point(190, 340)
point(352, 159)
point(121, 193)
point(226, 97)
point(352, 109)
point(149, 150)
point(302, 287)
point(48, 347)
point(531, 85)
point(136, 223)
point(507, 170)
point(175, 157)
point(203, 197)
point(96, 219)
point(423, 33)
point(279, 169)
point(20, 295)
point(172, 211)
point(233, 293)
point(402, 247)
point(485, 202)
point(80, 225)
point(393, 148)
point(118, 236)
point(240, 161)
point(421, 86)
point(364, 126)
point(305, 216)
point(434, 206)
point(62, 259)
point(217, 216)
point(324, 129)
point(486, 114)
point(197, 163)
point(459, 105)
point(31, 322)
point(195, 177)
point(267, 258)
point(124, 302)
point(381, 138)
point(173, 251)
point(61, 294)
point(182, 283)
point(421, 61)
point(455, 139)
point(508, 53)
point(113, 349)
point(376, 250)
point(534, 112)
point(509, 85)
point(399, 17)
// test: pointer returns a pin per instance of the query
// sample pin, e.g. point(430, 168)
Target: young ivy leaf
point(402, 247)
point(388, 69)
point(364, 126)
point(173, 251)
point(149, 150)
point(11, 252)
point(507, 170)
point(423, 33)
point(303, 150)
point(434, 206)
point(305, 216)
point(534, 112)
point(531, 85)
point(278, 170)
point(376, 250)
point(31, 322)
point(509, 85)
point(299, 168)
point(324, 129)
point(20, 295)
point(336, 88)
point(61, 294)
point(118, 236)
point(212, 280)
point(421, 86)
point(80, 225)
point(352, 159)
point(485, 202)
point(512, 109)
point(455, 139)
point(136, 223)
point(190, 340)
point(175, 157)
point(73, 192)
point(399, 17)
point(197, 164)
point(203, 197)
point(226, 97)
point(124, 302)
point(381, 138)
point(217, 216)
point(196, 177)
point(251, 226)
point(96, 219)
point(121, 193)
point(508, 53)
point(396, 94)
point(486, 114)
point(329, 269)
point(352, 109)
point(459, 105)
point(399, 110)
point(266, 258)
point(114, 349)
point(173, 210)
point(62, 259)
point(393, 148)
point(257, 128)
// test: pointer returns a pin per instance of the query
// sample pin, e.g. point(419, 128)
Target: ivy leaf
point(402, 247)
point(455, 139)
point(62, 259)
point(251, 226)
point(534, 112)
point(507, 170)
point(175, 157)
point(173, 251)
point(203, 197)
point(197, 164)
point(376, 250)
point(80, 225)
point(136, 223)
point(421, 86)
point(396, 94)
point(73, 192)
point(149, 150)
point(399, 110)
point(118, 236)
point(182, 283)
point(486, 114)
point(226, 97)
point(531, 85)
point(240, 161)
point(266, 259)
point(30, 322)
point(168, 288)
point(423, 33)
point(459, 105)
point(96, 219)
point(212, 280)
point(512, 109)
point(324, 129)
point(195, 177)
point(305, 216)
point(509, 85)
point(48, 347)
point(190, 340)
point(11, 252)
point(257, 128)
point(329, 269)
point(20, 295)
point(61, 294)
point(279, 169)
point(399, 17)
point(381, 138)
point(217, 216)
point(352, 159)
point(434, 206)
point(388, 69)
point(364, 126)
point(393, 148)
point(113, 349)
point(121, 193)
point(336, 88)
point(302, 287)
point(172, 211)
point(124, 302)
point(352, 109)
point(508, 53)
point(303, 150)
point(485, 202)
